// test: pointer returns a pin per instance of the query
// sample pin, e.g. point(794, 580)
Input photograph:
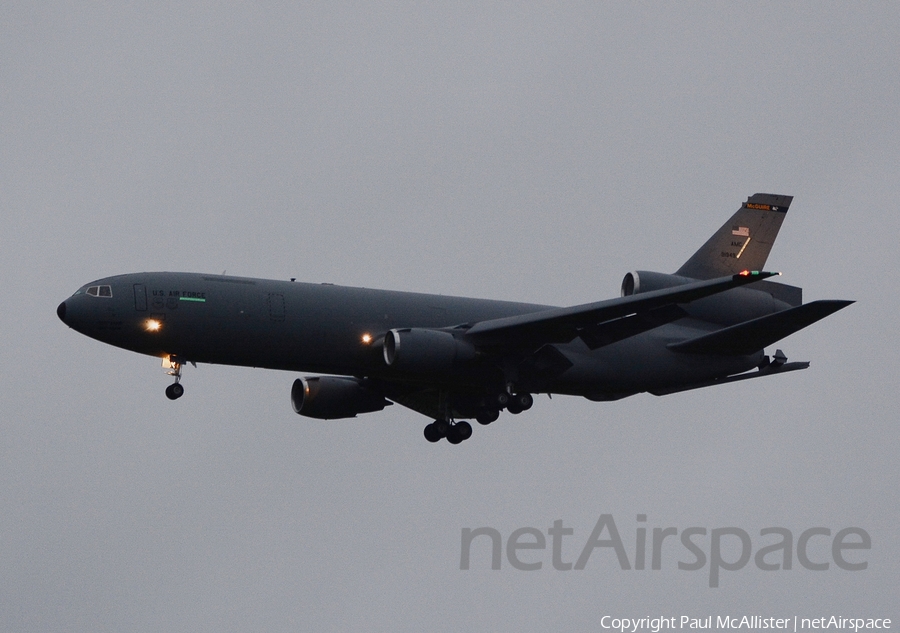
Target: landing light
point(152, 325)
point(366, 338)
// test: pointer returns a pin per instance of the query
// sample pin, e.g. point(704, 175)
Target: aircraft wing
point(752, 336)
point(602, 322)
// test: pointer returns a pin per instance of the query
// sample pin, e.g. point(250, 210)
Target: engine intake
point(333, 398)
point(646, 281)
point(423, 351)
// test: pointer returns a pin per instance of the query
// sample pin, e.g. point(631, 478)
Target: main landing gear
point(514, 403)
point(520, 402)
point(457, 432)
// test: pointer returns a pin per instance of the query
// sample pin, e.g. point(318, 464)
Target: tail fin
point(743, 243)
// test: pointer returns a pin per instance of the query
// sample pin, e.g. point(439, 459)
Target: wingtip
point(762, 274)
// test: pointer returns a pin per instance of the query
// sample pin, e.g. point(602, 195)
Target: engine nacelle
point(726, 308)
point(333, 397)
point(647, 281)
point(422, 351)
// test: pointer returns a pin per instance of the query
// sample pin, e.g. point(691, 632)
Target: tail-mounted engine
point(730, 307)
point(646, 281)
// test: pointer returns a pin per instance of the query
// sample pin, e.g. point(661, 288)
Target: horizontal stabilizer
point(754, 335)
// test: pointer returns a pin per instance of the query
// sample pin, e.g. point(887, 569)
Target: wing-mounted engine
point(334, 397)
point(425, 352)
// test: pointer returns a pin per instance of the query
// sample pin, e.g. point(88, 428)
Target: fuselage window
point(100, 291)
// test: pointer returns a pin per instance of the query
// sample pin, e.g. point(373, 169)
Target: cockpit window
point(100, 291)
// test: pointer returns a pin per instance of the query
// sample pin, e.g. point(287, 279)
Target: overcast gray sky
point(516, 151)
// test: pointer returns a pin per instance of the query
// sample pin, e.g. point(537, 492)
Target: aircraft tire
point(174, 391)
point(431, 433)
point(525, 400)
point(486, 416)
point(464, 430)
point(514, 406)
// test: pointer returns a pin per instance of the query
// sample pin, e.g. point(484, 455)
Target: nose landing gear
point(174, 391)
point(174, 365)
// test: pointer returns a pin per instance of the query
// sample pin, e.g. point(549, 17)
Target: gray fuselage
point(331, 329)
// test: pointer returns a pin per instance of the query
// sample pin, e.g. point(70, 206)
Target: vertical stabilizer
point(744, 242)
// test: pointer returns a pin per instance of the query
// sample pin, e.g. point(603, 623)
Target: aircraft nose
point(61, 311)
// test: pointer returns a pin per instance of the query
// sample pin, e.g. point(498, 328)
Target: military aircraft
point(455, 358)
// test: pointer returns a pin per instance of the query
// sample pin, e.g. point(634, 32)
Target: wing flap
point(754, 335)
point(609, 332)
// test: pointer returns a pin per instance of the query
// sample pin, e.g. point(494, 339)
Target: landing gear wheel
point(502, 399)
point(464, 430)
point(454, 436)
point(459, 432)
point(486, 416)
point(524, 400)
point(431, 433)
point(520, 402)
point(174, 391)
